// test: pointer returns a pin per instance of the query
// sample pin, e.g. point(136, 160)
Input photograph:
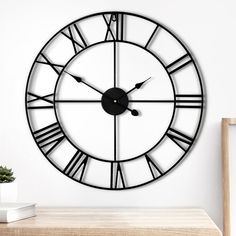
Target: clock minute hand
point(80, 80)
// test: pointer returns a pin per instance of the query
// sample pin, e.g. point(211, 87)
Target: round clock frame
point(115, 101)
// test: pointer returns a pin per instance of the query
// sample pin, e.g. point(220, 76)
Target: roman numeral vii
point(77, 164)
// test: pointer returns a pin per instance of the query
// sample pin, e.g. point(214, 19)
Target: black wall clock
point(114, 100)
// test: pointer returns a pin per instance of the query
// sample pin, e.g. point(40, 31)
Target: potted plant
point(8, 188)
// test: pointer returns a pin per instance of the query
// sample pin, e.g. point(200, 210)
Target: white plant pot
point(8, 192)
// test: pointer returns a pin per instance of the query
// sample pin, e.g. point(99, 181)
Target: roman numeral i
point(178, 64)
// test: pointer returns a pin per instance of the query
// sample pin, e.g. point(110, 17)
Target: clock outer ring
point(199, 78)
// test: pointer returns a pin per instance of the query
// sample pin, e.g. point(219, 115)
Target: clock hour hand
point(80, 80)
point(138, 85)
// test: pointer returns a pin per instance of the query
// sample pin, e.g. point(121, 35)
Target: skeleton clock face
point(114, 100)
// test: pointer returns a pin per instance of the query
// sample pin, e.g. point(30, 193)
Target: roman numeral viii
point(40, 102)
point(189, 101)
point(49, 137)
point(75, 36)
point(117, 176)
point(178, 64)
point(77, 164)
point(180, 139)
point(115, 26)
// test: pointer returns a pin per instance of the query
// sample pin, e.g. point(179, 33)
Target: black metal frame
point(174, 101)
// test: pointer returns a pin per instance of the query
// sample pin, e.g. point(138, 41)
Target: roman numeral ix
point(77, 164)
point(73, 35)
point(115, 26)
point(49, 137)
point(180, 139)
point(47, 101)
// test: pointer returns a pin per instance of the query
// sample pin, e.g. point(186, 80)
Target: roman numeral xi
point(75, 36)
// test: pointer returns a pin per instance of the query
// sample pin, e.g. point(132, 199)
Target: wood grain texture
point(113, 222)
point(226, 122)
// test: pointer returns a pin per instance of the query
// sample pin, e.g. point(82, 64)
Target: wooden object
point(113, 222)
point(226, 122)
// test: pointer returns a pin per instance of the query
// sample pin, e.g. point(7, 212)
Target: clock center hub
point(115, 101)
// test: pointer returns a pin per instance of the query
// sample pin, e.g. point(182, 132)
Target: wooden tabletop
point(112, 222)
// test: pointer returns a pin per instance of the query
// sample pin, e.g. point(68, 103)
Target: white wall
point(208, 28)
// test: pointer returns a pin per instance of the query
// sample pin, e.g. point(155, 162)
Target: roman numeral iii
point(49, 137)
point(191, 101)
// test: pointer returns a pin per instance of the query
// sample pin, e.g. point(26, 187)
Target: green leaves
point(6, 175)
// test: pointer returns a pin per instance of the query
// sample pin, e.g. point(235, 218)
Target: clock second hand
point(79, 80)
